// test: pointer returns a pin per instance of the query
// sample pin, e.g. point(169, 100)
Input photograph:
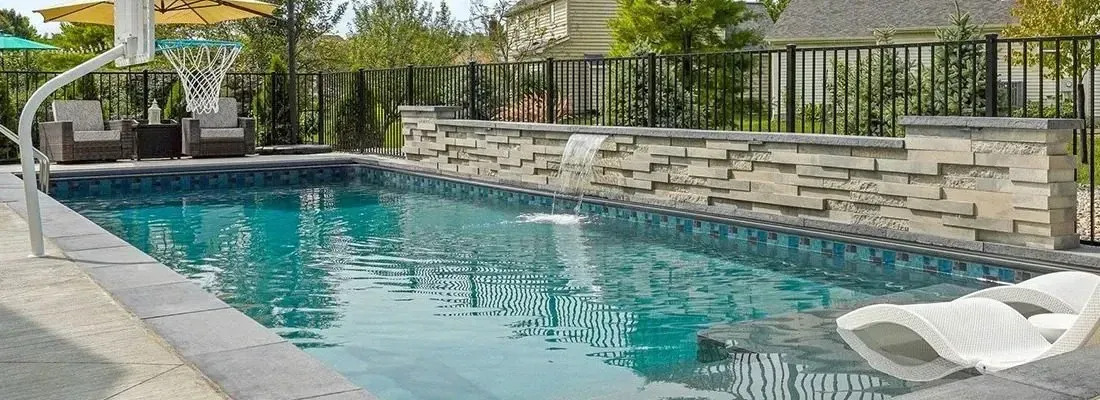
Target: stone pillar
point(1005, 180)
point(422, 140)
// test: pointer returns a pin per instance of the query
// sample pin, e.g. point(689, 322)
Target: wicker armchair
point(219, 134)
point(78, 133)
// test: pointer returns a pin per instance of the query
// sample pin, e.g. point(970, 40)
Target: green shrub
point(1048, 108)
point(174, 106)
point(86, 88)
point(9, 118)
point(271, 107)
point(873, 93)
point(678, 105)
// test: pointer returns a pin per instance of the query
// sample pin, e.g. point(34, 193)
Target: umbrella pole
point(26, 121)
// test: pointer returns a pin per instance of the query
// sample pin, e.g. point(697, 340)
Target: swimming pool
point(415, 294)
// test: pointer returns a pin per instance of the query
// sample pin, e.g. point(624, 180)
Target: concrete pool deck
point(238, 357)
point(64, 337)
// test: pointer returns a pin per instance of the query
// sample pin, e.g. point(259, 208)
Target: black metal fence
point(854, 90)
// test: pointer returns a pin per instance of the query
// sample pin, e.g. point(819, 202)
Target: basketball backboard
point(134, 27)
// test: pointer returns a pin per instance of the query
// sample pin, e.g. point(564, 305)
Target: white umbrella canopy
point(102, 12)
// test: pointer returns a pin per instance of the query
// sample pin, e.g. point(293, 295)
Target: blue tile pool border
point(137, 184)
point(836, 249)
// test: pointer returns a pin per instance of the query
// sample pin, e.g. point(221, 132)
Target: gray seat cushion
point(226, 117)
point(96, 136)
point(222, 133)
point(86, 115)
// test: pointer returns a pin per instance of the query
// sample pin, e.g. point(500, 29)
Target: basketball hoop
point(202, 65)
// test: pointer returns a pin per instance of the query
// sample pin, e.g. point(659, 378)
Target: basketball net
point(202, 66)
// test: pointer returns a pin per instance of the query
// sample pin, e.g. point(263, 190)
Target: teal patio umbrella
point(9, 42)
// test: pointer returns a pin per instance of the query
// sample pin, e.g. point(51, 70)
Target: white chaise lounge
point(923, 342)
point(1057, 292)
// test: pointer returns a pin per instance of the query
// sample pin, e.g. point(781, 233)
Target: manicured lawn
point(1083, 169)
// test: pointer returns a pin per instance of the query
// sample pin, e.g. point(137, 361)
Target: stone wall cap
point(995, 122)
point(799, 138)
point(401, 109)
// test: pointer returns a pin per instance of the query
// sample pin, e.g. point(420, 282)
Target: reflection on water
point(419, 297)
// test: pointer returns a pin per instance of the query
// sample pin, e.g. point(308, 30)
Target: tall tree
point(775, 8)
point(680, 26)
point(960, 88)
point(1058, 18)
point(393, 33)
point(84, 37)
point(14, 23)
point(265, 37)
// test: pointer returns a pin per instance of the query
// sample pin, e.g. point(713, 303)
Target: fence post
point(551, 95)
point(145, 96)
point(361, 107)
point(651, 90)
point(471, 92)
point(789, 110)
point(320, 108)
point(271, 100)
point(991, 75)
point(409, 85)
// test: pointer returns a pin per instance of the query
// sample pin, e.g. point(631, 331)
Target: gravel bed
point(1084, 213)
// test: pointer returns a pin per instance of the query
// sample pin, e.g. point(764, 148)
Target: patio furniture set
point(78, 132)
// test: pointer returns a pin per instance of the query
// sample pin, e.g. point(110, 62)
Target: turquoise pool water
point(417, 296)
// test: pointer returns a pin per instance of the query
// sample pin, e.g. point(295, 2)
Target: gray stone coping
point(761, 137)
point(401, 109)
point(1068, 376)
point(243, 358)
point(994, 122)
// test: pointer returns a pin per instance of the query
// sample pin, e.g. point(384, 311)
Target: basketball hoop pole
point(26, 122)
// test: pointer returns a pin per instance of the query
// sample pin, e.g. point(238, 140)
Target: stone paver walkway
point(64, 337)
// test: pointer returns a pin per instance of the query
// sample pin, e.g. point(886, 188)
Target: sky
point(459, 8)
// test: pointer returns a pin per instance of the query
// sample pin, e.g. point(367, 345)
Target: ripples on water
point(416, 296)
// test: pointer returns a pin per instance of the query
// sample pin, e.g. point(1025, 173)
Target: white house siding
point(534, 28)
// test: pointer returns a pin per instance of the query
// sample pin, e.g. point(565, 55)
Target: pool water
point(417, 296)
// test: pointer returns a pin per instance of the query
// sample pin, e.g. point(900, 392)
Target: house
point(821, 23)
point(560, 28)
point(577, 29)
point(576, 33)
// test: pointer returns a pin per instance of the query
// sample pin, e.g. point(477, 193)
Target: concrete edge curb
point(183, 317)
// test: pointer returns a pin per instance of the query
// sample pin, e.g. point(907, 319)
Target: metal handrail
point(44, 173)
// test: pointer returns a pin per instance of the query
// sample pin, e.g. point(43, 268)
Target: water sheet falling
point(574, 172)
point(576, 165)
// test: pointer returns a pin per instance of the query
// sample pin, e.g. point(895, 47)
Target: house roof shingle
point(825, 19)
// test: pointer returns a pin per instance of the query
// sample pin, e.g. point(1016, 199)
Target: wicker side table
point(161, 140)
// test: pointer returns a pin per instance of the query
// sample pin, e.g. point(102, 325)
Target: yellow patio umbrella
point(166, 11)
